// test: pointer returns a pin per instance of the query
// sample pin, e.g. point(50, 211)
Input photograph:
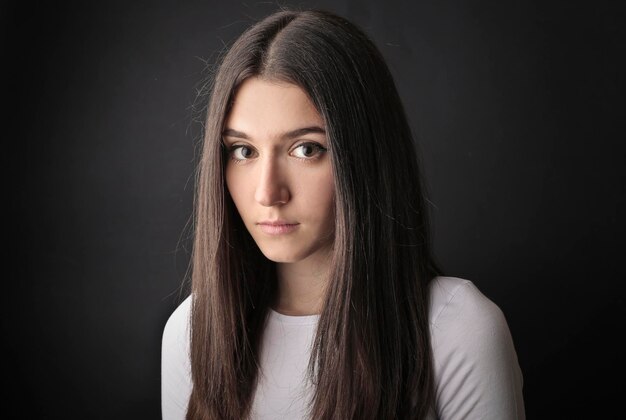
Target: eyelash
point(319, 147)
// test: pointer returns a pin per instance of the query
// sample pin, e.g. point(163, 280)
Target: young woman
point(314, 290)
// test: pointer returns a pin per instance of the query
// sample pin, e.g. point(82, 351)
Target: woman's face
point(279, 170)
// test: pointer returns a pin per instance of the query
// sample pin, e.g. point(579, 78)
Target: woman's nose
point(271, 187)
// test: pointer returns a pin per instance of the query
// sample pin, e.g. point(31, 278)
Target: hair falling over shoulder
point(371, 357)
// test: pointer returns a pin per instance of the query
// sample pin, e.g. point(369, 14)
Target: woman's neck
point(301, 285)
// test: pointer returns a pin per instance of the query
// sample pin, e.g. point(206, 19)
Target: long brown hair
point(371, 357)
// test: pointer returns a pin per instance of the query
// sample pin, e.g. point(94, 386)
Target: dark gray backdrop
point(518, 110)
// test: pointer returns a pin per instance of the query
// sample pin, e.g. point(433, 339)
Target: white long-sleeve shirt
point(477, 374)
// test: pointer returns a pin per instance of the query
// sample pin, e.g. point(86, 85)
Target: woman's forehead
point(272, 109)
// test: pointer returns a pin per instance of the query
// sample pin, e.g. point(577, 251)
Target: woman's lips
point(274, 228)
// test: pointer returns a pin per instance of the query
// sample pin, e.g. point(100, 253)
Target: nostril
point(272, 195)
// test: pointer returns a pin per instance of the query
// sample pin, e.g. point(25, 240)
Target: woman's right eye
point(240, 152)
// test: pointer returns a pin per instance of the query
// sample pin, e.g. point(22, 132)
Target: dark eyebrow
point(229, 132)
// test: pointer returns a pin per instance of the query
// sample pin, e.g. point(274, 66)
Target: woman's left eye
point(308, 150)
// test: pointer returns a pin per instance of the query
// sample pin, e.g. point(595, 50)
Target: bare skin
point(279, 169)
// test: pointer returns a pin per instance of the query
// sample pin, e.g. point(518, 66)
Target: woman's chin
point(280, 257)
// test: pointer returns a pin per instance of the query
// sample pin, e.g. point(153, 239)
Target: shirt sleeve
point(176, 382)
point(477, 374)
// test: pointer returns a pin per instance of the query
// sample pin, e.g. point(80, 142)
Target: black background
point(519, 114)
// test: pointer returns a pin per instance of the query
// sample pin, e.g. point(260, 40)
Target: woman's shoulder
point(477, 374)
point(175, 363)
point(466, 327)
point(177, 325)
point(457, 300)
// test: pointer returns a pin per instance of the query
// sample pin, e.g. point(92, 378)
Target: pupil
point(308, 150)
